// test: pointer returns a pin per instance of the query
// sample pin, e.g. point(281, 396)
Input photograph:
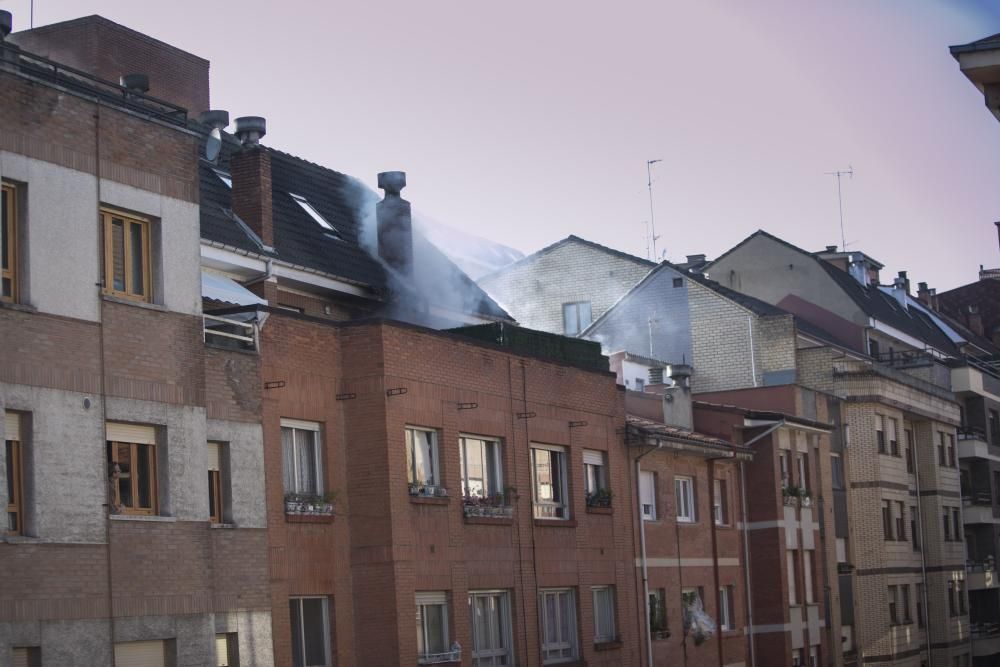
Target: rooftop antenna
point(649, 184)
point(645, 235)
point(840, 201)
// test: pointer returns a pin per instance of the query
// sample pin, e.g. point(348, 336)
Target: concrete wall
point(533, 290)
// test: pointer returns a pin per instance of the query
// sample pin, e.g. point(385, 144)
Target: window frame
point(887, 521)
point(422, 629)
point(900, 521)
point(232, 658)
point(502, 656)
point(216, 495)
point(433, 453)
point(108, 215)
point(652, 515)
point(658, 600)
point(595, 591)
point(492, 457)
point(14, 466)
point(570, 643)
point(727, 608)
point(595, 475)
point(580, 326)
point(325, 611)
point(880, 440)
point(10, 252)
point(151, 474)
point(691, 515)
point(892, 595)
point(296, 426)
point(720, 502)
point(561, 501)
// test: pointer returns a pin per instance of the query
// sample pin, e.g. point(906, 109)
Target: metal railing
point(988, 564)
point(454, 655)
point(227, 328)
point(984, 629)
point(971, 433)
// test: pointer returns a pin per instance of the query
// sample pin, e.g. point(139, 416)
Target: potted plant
point(599, 498)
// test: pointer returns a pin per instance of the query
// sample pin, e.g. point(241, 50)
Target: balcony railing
point(971, 433)
point(488, 508)
point(977, 497)
point(454, 655)
point(219, 330)
point(984, 629)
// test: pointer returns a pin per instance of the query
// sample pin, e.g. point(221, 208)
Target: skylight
point(314, 214)
point(225, 178)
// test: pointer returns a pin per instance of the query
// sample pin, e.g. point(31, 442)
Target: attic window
point(225, 178)
point(678, 282)
point(314, 214)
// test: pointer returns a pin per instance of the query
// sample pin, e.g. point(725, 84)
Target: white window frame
point(595, 471)
point(492, 464)
point(433, 454)
point(647, 495)
point(297, 425)
point(802, 463)
point(573, 308)
point(560, 490)
point(326, 625)
point(605, 634)
point(423, 600)
point(684, 494)
point(720, 502)
point(306, 206)
point(499, 605)
point(564, 649)
point(726, 608)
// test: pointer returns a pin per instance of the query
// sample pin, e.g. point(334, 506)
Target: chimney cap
point(696, 258)
point(392, 182)
point(249, 129)
point(831, 248)
point(215, 118)
point(6, 23)
point(922, 287)
point(138, 83)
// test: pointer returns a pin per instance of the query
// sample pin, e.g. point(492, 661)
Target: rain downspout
point(753, 363)
point(746, 538)
point(923, 548)
point(642, 549)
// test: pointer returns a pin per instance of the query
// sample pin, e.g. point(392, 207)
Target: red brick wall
point(70, 348)
point(232, 385)
point(53, 581)
point(252, 197)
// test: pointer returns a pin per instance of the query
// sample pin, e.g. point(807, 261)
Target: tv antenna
point(840, 201)
point(649, 184)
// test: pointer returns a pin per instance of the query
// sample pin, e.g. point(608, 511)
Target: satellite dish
point(213, 144)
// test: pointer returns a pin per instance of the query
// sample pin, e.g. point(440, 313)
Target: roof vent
point(249, 129)
point(214, 118)
point(695, 259)
point(656, 375)
point(679, 373)
point(6, 23)
point(136, 83)
point(831, 248)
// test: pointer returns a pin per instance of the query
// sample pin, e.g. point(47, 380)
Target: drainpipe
point(746, 538)
point(923, 546)
point(642, 549)
point(753, 363)
point(715, 553)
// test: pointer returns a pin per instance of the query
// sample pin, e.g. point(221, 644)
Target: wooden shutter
point(214, 456)
point(593, 457)
point(140, 654)
point(135, 433)
point(12, 426)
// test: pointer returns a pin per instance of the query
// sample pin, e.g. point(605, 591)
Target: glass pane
point(10, 471)
point(543, 475)
point(125, 477)
point(410, 474)
point(475, 470)
point(434, 622)
point(492, 462)
point(551, 619)
point(4, 254)
point(118, 254)
point(423, 463)
point(565, 611)
point(584, 311)
point(8, 287)
point(288, 467)
point(557, 484)
point(295, 610)
point(137, 257)
point(11, 521)
point(315, 640)
point(569, 319)
point(212, 509)
point(496, 622)
point(305, 449)
point(144, 483)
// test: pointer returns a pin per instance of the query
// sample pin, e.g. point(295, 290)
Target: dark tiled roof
point(986, 43)
point(299, 240)
point(558, 244)
point(648, 427)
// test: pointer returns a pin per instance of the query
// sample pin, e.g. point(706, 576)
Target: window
point(215, 495)
point(837, 471)
point(803, 462)
point(126, 256)
point(15, 470)
point(900, 520)
point(604, 614)
point(576, 317)
point(640, 384)
point(558, 625)
point(303, 458)
point(727, 616)
point(792, 569)
point(873, 348)
point(548, 473)
point(489, 612)
point(310, 631)
point(797, 660)
point(226, 178)
point(784, 459)
point(921, 618)
point(227, 650)
point(951, 450)
point(814, 656)
point(433, 644)
point(314, 214)
point(678, 282)
point(994, 425)
point(684, 490)
point(880, 433)
point(947, 525)
point(8, 243)
point(893, 438)
point(905, 602)
point(422, 470)
point(647, 495)
point(720, 502)
point(481, 467)
point(908, 434)
point(131, 453)
point(807, 577)
point(952, 607)
point(658, 613)
point(595, 477)
point(893, 605)
point(887, 519)
point(960, 592)
point(27, 656)
point(956, 523)
point(914, 528)
point(941, 449)
point(141, 654)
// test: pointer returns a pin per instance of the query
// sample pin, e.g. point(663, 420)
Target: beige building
point(980, 61)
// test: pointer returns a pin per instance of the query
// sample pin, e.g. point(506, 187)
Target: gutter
point(642, 549)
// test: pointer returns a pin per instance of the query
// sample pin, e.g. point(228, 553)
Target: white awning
point(227, 290)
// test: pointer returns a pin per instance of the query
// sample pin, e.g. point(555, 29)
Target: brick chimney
point(975, 320)
point(677, 405)
point(924, 294)
point(251, 172)
point(395, 223)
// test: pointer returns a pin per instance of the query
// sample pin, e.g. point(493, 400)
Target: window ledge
point(19, 539)
point(608, 645)
point(143, 517)
point(430, 500)
point(308, 518)
point(222, 526)
point(20, 307)
point(556, 523)
point(134, 302)
point(600, 510)
point(490, 520)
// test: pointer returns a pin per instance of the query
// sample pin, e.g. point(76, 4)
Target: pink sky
point(528, 121)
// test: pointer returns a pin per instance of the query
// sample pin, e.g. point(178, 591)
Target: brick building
point(133, 453)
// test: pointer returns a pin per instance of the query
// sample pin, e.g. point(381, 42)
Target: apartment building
point(901, 418)
point(980, 63)
point(133, 457)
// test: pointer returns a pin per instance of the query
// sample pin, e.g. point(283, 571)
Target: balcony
point(985, 638)
point(490, 507)
point(454, 655)
point(981, 576)
point(974, 512)
point(230, 332)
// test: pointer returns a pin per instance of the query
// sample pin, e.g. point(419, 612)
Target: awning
point(227, 290)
